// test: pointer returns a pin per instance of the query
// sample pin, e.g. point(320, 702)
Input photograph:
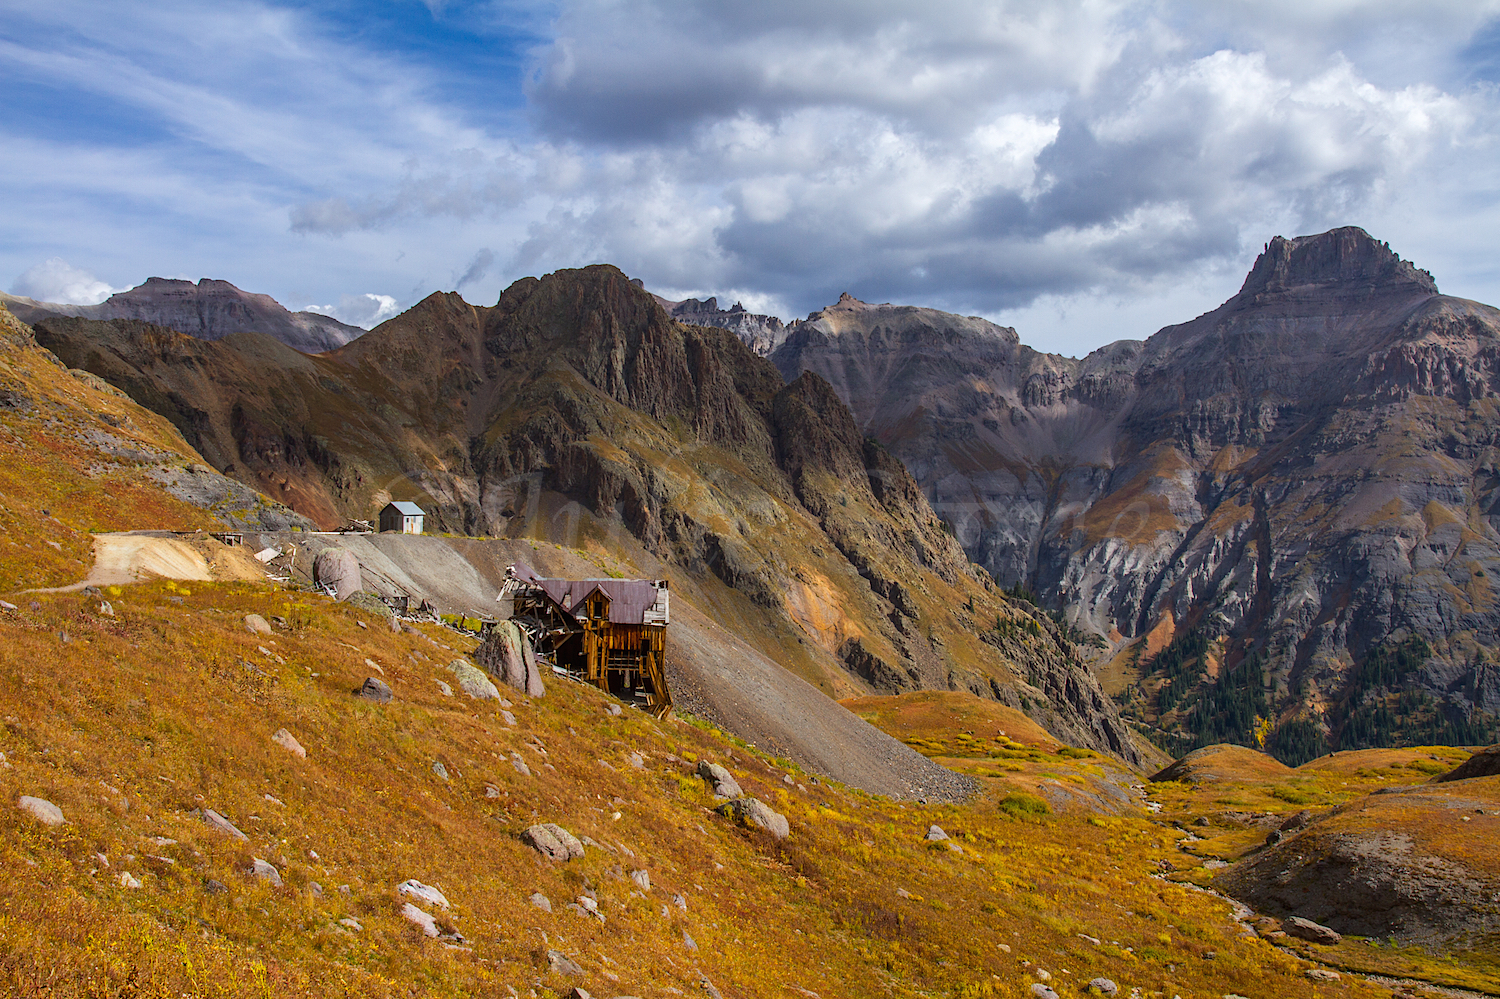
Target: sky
point(1084, 170)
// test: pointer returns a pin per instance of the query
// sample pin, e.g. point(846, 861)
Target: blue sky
point(1086, 170)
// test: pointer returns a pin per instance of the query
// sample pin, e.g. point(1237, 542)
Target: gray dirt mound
point(712, 672)
point(1372, 883)
point(1485, 763)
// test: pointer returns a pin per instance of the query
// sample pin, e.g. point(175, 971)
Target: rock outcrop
point(762, 334)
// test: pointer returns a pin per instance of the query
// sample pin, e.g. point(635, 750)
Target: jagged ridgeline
point(577, 410)
point(1258, 510)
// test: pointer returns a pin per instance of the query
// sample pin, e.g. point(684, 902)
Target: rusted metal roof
point(629, 599)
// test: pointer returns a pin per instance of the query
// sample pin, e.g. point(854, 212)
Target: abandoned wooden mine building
point(611, 633)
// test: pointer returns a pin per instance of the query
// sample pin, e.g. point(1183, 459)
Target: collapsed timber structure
point(610, 633)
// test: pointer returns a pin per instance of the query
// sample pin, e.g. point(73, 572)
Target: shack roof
point(629, 599)
point(406, 509)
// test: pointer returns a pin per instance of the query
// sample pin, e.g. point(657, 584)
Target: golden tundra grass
point(167, 707)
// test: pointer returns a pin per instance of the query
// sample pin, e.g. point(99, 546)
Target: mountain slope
point(208, 310)
point(576, 410)
point(1300, 481)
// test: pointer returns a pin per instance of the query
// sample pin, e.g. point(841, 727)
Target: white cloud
point(55, 280)
point(982, 156)
point(368, 310)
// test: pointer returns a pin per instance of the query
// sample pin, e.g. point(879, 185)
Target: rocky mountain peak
point(1341, 259)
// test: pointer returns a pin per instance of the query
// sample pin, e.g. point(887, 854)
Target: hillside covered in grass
point(134, 723)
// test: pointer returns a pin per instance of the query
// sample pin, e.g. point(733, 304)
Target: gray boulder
point(723, 783)
point(754, 812)
point(473, 682)
point(369, 602)
point(1297, 821)
point(337, 569)
point(287, 741)
point(561, 964)
point(1310, 931)
point(265, 871)
point(422, 920)
point(935, 834)
point(553, 842)
point(257, 625)
point(413, 888)
point(374, 690)
point(219, 823)
point(508, 656)
point(42, 810)
point(1103, 986)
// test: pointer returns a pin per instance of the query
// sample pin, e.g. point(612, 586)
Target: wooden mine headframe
point(611, 633)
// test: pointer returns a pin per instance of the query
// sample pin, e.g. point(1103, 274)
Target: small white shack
point(402, 516)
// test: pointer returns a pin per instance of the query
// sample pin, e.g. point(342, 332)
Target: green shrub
point(1024, 806)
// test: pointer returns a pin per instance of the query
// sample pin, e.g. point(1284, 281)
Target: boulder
point(473, 682)
point(561, 964)
point(257, 625)
point(413, 888)
point(507, 655)
point(723, 784)
point(1297, 821)
point(337, 569)
point(754, 812)
point(1042, 991)
point(540, 901)
point(369, 602)
point(42, 810)
point(420, 919)
point(1103, 987)
point(1306, 929)
point(642, 880)
point(265, 871)
point(219, 823)
point(935, 834)
point(374, 690)
point(553, 842)
point(287, 741)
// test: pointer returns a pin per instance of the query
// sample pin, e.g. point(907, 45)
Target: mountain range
point(1272, 524)
point(1294, 488)
point(576, 410)
point(209, 310)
